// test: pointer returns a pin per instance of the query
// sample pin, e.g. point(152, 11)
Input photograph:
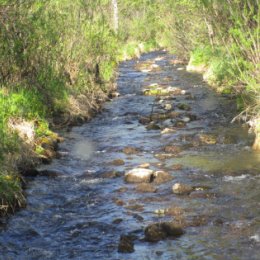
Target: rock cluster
point(159, 231)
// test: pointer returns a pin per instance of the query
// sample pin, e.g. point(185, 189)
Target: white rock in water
point(256, 238)
point(161, 101)
point(138, 175)
point(186, 119)
point(167, 106)
point(155, 66)
point(171, 89)
point(168, 131)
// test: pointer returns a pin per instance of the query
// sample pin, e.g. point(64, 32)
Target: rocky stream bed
point(161, 173)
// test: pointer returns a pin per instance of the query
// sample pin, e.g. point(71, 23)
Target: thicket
point(58, 58)
point(52, 53)
point(224, 36)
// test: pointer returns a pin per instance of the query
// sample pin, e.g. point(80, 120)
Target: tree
point(115, 12)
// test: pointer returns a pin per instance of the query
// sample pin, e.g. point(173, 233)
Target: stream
point(82, 205)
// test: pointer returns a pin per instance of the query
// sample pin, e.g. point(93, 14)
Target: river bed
point(81, 210)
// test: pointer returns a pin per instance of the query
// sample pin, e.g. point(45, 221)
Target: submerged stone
point(126, 244)
point(130, 150)
point(118, 162)
point(172, 149)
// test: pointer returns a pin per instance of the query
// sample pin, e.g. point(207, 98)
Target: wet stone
point(186, 119)
point(117, 221)
point(153, 126)
point(114, 94)
point(203, 195)
point(207, 139)
point(197, 221)
point(201, 188)
point(161, 177)
point(180, 124)
point(139, 175)
point(126, 244)
point(184, 107)
point(130, 150)
point(167, 107)
point(181, 189)
point(174, 211)
point(168, 130)
point(172, 149)
point(118, 162)
point(160, 231)
point(138, 217)
point(135, 207)
point(144, 120)
point(122, 189)
point(144, 165)
point(192, 117)
point(112, 174)
point(118, 202)
point(159, 253)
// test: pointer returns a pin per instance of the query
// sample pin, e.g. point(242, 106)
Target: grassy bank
point(222, 71)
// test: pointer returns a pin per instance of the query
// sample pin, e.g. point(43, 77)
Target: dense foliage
point(56, 55)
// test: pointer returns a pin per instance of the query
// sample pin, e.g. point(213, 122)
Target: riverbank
point(218, 71)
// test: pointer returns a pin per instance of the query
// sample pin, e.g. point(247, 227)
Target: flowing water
point(81, 211)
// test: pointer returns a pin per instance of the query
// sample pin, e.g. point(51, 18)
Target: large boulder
point(160, 231)
point(138, 175)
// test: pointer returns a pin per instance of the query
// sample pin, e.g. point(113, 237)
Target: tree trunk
point(210, 32)
point(115, 12)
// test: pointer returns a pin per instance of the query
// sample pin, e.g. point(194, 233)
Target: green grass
point(11, 193)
